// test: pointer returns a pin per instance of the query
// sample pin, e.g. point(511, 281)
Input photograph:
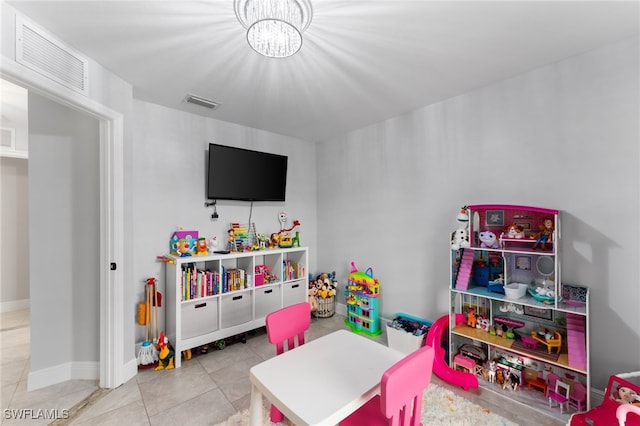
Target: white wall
point(169, 157)
point(14, 232)
point(563, 136)
point(64, 224)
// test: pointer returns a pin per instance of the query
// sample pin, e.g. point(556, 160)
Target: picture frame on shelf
point(524, 225)
point(523, 263)
point(541, 313)
point(494, 218)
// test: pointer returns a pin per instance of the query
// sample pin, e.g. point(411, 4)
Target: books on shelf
point(196, 283)
point(292, 270)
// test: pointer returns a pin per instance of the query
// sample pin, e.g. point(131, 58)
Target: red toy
point(620, 390)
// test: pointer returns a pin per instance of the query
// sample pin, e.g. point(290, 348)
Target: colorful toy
point(312, 292)
point(460, 237)
point(212, 244)
point(201, 246)
point(362, 302)
point(183, 243)
point(605, 413)
point(545, 234)
point(514, 231)
point(440, 367)
point(231, 240)
point(165, 353)
point(471, 318)
point(488, 240)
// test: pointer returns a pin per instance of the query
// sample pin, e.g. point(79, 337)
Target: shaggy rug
point(440, 407)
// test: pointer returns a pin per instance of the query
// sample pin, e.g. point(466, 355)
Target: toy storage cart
point(406, 333)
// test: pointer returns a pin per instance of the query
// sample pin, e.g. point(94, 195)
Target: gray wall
point(14, 272)
point(169, 157)
point(563, 136)
point(64, 223)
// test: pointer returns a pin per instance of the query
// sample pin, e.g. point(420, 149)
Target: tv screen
point(243, 174)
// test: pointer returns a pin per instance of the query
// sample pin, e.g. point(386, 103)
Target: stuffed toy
point(460, 237)
point(326, 285)
point(313, 291)
point(488, 240)
point(514, 231)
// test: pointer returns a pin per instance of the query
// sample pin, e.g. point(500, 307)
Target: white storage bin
point(199, 316)
point(404, 341)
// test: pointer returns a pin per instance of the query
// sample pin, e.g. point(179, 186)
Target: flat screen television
point(246, 175)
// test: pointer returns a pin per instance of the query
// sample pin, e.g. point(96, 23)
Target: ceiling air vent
point(39, 51)
point(200, 101)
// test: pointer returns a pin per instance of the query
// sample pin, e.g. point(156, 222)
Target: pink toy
point(440, 367)
point(401, 388)
point(605, 413)
point(528, 342)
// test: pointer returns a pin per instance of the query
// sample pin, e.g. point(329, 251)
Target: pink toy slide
point(440, 366)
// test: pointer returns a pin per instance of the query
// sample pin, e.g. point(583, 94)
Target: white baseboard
point(130, 370)
point(14, 305)
point(79, 370)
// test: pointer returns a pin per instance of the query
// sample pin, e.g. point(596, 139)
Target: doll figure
point(626, 395)
point(231, 240)
point(545, 235)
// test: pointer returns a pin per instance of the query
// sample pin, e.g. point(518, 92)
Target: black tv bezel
point(267, 158)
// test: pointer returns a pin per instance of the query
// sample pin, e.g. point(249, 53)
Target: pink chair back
point(551, 381)
point(402, 386)
point(285, 324)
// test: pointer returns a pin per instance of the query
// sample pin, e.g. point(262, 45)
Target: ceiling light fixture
point(274, 27)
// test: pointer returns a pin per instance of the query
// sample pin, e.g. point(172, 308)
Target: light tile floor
point(204, 391)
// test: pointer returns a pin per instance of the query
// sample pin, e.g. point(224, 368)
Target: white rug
point(440, 407)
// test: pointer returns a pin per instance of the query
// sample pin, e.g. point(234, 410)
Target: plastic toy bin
point(406, 333)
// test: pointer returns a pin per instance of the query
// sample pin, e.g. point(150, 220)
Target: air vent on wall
point(198, 100)
point(42, 53)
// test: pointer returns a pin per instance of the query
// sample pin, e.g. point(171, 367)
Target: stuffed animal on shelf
point(460, 237)
point(488, 240)
point(514, 231)
point(545, 234)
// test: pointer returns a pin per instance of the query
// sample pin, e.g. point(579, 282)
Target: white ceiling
point(361, 61)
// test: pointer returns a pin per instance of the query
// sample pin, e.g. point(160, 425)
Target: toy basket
point(326, 307)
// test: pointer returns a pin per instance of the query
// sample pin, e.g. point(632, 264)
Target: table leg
point(255, 411)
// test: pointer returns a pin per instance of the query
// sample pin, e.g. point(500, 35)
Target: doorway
point(111, 293)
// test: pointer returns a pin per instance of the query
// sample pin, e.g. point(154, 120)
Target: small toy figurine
point(492, 372)
point(165, 353)
point(201, 246)
point(514, 231)
point(184, 247)
point(545, 235)
point(471, 318)
point(212, 244)
point(460, 237)
point(231, 240)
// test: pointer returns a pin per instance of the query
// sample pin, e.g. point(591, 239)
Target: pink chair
point(283, 326)
point(401, 388)
point(559, 395)
point(578, 397)
point(552, 378)
point(623, 410)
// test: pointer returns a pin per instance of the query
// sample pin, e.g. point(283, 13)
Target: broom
point(147, 354)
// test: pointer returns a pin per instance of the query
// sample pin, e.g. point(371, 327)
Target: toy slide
point(440, 366)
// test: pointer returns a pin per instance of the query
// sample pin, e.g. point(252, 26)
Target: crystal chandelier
point(274, 27)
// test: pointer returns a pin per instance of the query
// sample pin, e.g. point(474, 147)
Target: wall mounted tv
point(243, 174)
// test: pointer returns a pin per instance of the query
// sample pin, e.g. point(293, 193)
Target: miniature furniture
point(605, 414)
point(555, 342)
point(215, 296)
point(283, 327)
point(465, 363)
point(578, 397)
point(401, 389)
point(528, 342)
point(538, 384)
point(559, 396)
point(623, 411)
point(306, 395)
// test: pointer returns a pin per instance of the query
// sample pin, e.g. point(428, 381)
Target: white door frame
point(111, 211)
